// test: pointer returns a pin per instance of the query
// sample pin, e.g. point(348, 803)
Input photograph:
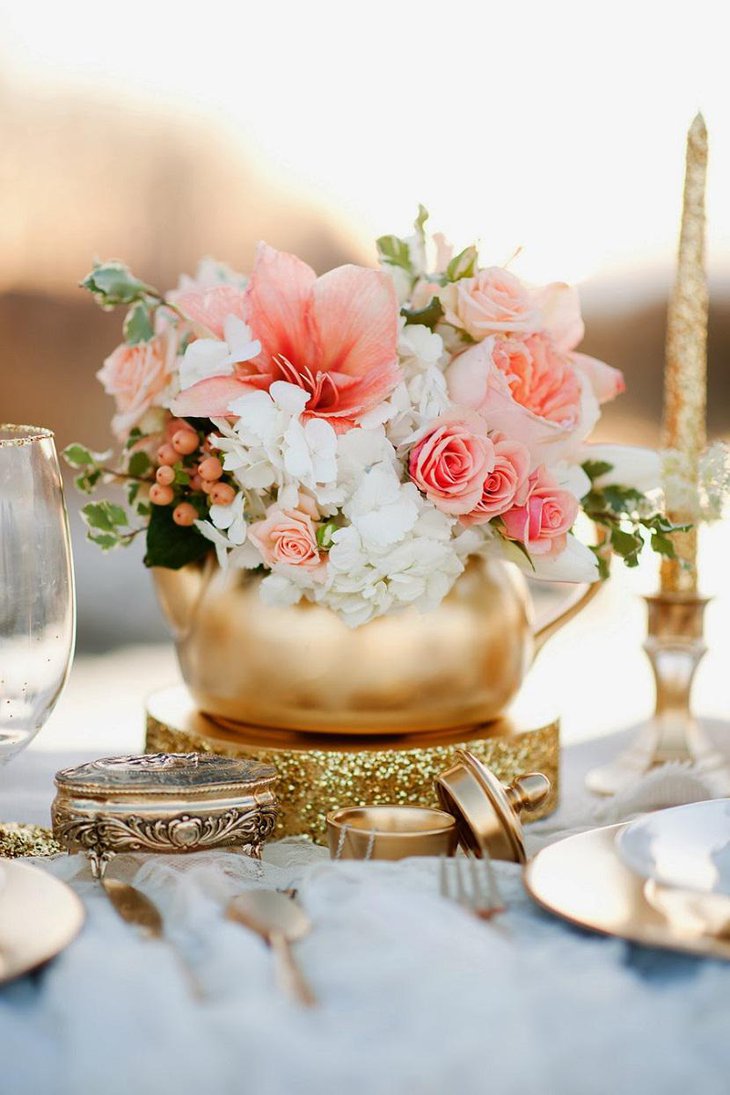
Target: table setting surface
point(413, 993)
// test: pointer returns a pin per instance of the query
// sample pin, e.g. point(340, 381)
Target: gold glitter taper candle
point(685, 375)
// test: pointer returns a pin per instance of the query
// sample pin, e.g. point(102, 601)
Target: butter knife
point(134, 907)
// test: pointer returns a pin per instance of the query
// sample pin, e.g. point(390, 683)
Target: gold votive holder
point(165, 803)
point(389, 832)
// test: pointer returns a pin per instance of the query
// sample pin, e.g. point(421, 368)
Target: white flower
point(269, 446)
point(577, 563)
point(210, 273)
point(364, 583)
point(227, 530)
point(206, 357)
point(697, 500)
point(419, 348)
point(631, 466)
point(382, 509)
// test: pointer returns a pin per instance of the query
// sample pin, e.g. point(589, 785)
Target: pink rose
point(544, 519)
point(505, 485)
point(450, 466)
point(540, 377)
point(286, 536)
point(492, 302)
point(137, 376)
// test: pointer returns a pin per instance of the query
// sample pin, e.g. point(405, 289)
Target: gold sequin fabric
point(22, 841)
point(314, 781)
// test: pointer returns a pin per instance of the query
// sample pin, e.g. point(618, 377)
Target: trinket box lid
point(178, 774)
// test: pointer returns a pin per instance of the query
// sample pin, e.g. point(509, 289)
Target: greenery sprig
point(623, 513)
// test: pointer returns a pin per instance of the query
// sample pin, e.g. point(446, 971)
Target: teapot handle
point(576, 605)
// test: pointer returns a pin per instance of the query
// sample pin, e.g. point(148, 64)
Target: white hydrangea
point(269, 445)
point(207, 357)
point(227, 531)
point(704, 500)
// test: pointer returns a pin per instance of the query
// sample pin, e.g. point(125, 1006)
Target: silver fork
point(472, 883)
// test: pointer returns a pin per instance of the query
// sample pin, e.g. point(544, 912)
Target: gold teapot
point(301, 668)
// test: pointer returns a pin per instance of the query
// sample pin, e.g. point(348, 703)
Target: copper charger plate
point(39, 917)
point(583, 880)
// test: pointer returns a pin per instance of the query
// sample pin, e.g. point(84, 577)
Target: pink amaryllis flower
point(334, 336)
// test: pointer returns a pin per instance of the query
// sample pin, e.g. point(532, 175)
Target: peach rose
point(137, 376)
point(450, 465)
point(492, 302)
point(540, 377)
point(505, 485)
point(543, 521)
point(286, 537)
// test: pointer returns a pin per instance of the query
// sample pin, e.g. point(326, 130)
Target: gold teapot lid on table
point(487, 812)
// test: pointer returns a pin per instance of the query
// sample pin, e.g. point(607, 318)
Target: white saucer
point(686, 847)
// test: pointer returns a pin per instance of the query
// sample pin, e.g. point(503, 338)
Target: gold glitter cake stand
point(320, 772)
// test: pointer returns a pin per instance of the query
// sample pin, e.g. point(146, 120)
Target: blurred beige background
point(161, 139)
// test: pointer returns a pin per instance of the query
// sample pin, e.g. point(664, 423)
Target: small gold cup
point(389, 832)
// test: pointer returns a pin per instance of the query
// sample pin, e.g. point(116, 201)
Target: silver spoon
point(281, 922)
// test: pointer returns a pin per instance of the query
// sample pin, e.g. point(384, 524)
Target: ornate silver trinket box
point(164, 802)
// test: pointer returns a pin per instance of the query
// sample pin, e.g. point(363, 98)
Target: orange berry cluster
point(204, 470)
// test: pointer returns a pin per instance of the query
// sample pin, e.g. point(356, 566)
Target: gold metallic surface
point(583, 880)
point(675, 647)
point(39, 917)
point(389, 832)
point(301, 668)
point(685, 378)
point(18, 841)
point(318, 773)
point(167, 803)
point(487, 811)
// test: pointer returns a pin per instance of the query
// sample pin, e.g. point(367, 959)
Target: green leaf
point(139, 464)
point(463, 265)
point(182, 476)
point(87, 482)
point(627, 544)
point(594, 469)
point(420, 222)
point(663, 545)
point(105, 540)
point(77, 456)
point(113, 283)
point(170, 545)
point(603, 563)
point(135, 435)
point(138, 325)
point(622, 499)
point(105, 516)
point(428, 316)
point(395, 252)
point(325, 534)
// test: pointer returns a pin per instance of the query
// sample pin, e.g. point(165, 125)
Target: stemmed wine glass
point(37, 603)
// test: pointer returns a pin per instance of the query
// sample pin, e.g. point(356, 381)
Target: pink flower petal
point(279, 301)
point(559, 305)
point(209, 398)
point(605, 381)
point(355, 314)
point(209, 308)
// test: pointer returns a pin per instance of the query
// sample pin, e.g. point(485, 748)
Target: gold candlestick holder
point(675, 647)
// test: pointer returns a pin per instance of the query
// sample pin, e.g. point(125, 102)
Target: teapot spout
point(178, 592)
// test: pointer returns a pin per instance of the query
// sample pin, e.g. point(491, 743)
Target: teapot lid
point(487, 812)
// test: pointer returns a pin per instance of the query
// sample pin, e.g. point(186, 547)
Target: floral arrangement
point(360, 435)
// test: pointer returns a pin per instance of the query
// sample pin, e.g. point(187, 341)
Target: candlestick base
point(675, 647)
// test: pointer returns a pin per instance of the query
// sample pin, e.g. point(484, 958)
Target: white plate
point(39, 917)
point(687, 846)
